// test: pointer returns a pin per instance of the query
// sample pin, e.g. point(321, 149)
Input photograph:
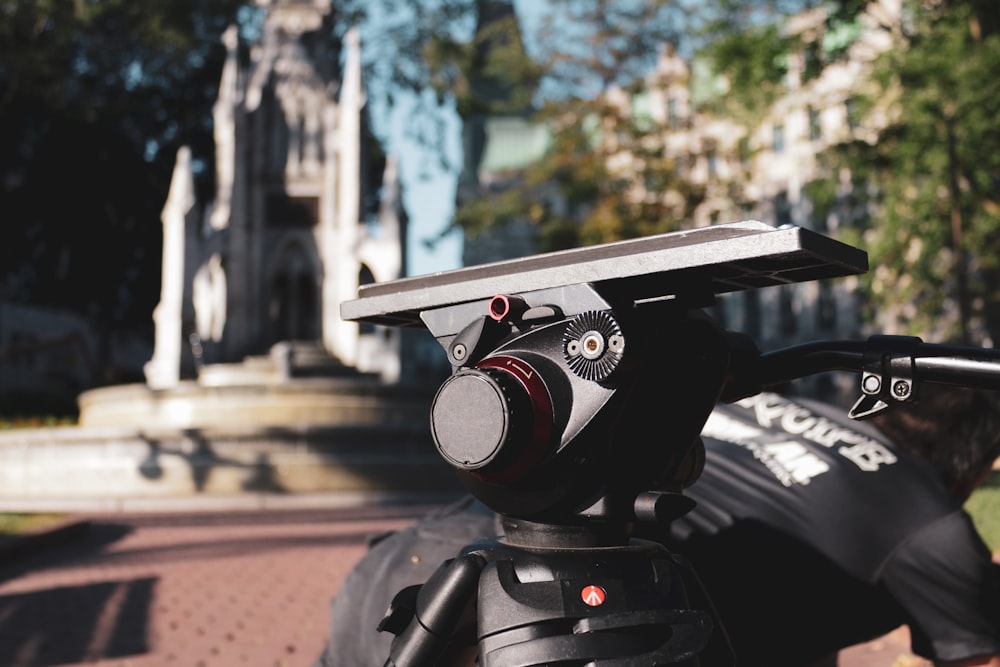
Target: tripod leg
point(442, 607)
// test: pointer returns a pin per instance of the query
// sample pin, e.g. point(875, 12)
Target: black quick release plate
point(717, 259)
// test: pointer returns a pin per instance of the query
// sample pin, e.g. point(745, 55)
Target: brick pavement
point(191, 590)
point(208, 589)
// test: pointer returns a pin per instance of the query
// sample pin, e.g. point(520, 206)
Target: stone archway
point(293, 306)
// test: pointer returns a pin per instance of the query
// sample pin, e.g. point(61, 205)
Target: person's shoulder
point(950, 539)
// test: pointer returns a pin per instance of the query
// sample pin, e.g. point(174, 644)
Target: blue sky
point(430, 202)
point(429, 199)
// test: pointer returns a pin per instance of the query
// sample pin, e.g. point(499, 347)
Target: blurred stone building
point(306, 209)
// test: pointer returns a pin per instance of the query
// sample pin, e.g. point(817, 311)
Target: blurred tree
point(478, 59)
point(931, 173)
point(752, 60)
point(95, 97)
point(607, 173)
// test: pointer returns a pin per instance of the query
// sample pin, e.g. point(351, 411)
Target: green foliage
point(984, 507)
point(822, 194)
point(17, 523)
point(95, 98)
point(483, 213)
point(438, 59)
point(587, 46)
point(753, 62)
point(474, 61)
point(572, 193)
point(575, 197)
point(47, 421)
point(935, 166)
point(490, 73)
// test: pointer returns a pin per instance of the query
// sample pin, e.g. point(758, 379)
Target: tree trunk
point(961, 265)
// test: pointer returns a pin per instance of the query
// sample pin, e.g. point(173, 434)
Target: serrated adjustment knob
point(593, 345)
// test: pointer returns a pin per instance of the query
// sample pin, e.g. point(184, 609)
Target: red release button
point(593, 596)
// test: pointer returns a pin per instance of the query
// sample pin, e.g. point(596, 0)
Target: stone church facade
point(306, 209)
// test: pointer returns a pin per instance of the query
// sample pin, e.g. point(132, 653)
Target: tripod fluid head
point(580, 383)
point(581, 379)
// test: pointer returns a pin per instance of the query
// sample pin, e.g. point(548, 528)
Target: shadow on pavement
point(74, 624)
point(44, 550)
point(93, 596)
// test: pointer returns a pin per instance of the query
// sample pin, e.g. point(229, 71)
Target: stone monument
point(255, 383)
point(297, 222)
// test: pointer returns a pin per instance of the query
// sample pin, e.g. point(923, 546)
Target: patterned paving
point(228, 589)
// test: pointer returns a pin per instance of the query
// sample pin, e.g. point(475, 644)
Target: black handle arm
point(891, 367)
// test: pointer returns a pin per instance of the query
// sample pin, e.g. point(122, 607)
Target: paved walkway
point(206, 589)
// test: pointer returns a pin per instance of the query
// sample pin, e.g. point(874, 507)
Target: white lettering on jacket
point(788, 460)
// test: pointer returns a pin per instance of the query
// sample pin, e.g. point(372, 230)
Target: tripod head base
point(525, 534)
point(552, 607)
point(623, 605)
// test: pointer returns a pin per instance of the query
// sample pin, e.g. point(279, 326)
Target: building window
point(778, 139)
point(814, 60)
point(826, 308)
point(718, 311)
point(744, 152)
point(713, 164)
point(855, 203)
point(852, 113)
point(284, 211)
point(815, 129)
point(673, 113)
point(782, 209)
point(751, 313)
point(789, 322)
point(293, 307)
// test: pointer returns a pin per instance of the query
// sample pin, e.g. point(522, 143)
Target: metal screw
point(459, 351)
point(592, 345)
point(901, 388)
point(871, 384)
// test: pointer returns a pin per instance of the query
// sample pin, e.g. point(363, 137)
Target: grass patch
point(17, 523)
point(38, 409)
point(44, 421)
point(984, 506)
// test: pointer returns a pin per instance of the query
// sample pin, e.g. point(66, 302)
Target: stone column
point(329, 205)
point(163, 370)
point(345, 334)
point(225, 133)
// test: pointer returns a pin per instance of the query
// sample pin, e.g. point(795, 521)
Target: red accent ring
point(498, 313)
point(541, 407)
